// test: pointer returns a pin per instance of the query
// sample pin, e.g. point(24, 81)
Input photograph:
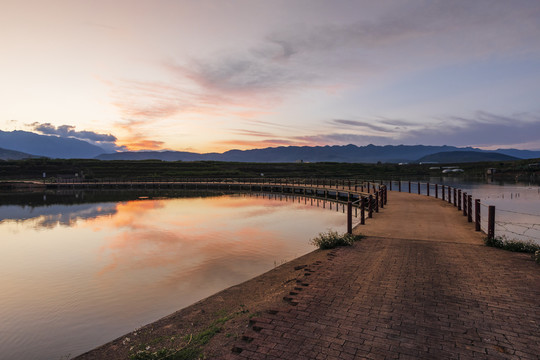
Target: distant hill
point(14, 155)
point(48, 146)
point(337, 153)
point(522, 154)
point(465, 156)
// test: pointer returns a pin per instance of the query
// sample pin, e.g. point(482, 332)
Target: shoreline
point(227, 311)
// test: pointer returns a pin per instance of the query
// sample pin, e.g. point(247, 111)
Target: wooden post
point(362, 210)
point(349, 217)
point(409, 187)
point(427, 189)
point(370, 207)
point(455, 197)
point(399, 185)
point(464, 203)
point(377, 201)
point(450, 194)
point(418, 188)
point(381, 198)
point(442, 193)
point(436, 191)
point(385, 195)
point(477, 214)
point(459, 200)
point(491, 222)
point(469, 208)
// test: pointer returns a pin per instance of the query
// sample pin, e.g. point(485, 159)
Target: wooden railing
point(459, 198)
point(364, 196)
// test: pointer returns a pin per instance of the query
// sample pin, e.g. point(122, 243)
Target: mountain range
point(59, 147)
point(336, 153)
point(48, 146)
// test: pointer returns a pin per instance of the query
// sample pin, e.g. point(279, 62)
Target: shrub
point(332, 239)
point(513, 245)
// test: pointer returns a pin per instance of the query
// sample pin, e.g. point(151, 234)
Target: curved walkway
point(421, 286)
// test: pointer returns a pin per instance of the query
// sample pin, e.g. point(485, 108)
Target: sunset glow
point(210, 76)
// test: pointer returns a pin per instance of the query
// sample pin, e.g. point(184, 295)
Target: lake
point(80, 268)
point(78, 271)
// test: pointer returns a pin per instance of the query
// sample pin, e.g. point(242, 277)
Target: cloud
point(361, 124)
point(105, 141)
point(69, 131)
point(480, 129)
point(142, 144)
point(257, 144)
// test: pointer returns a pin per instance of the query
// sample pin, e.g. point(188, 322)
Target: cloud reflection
point(55, 215)
point(194, 243)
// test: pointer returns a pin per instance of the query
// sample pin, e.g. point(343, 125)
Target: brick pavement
point(396, 298)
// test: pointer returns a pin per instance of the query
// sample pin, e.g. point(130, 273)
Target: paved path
point(421, 286)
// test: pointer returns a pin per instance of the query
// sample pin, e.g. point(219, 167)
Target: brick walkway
point(392, 297)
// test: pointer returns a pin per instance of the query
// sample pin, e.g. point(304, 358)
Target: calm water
point(76, 276)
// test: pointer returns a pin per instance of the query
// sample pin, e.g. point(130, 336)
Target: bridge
point(363, 197)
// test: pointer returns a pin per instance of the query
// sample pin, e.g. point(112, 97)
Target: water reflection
point(78, 275)
point(51, 216)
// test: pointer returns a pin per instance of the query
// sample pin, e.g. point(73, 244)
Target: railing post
point(459, 200)
point(385, 195)
point(409, 187)
point(377, 201)
point(442, 193)
point(370, 207)
point(399, 185)
point(427, 189)
point(491, 222)
point(349, 217)
point(436, 191)
point(469, 208)
point(477, 214)
point(390, 185)
point(381, 197)
point(455, 197)
point(419, 188)
point(449, 194)
point(464, 203)
point(362, 210)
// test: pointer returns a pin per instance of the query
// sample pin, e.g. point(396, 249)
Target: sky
point(210, 76)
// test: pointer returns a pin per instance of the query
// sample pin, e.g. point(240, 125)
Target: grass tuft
point(513, 245)
point(528, 247)
point(332, 239)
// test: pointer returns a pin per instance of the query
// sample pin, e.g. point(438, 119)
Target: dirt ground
point(229, 311)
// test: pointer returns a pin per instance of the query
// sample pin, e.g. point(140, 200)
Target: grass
point(528, 247)
point(332, 239)
point(192, 348)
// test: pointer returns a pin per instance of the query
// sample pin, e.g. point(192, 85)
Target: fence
point(487, 218)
